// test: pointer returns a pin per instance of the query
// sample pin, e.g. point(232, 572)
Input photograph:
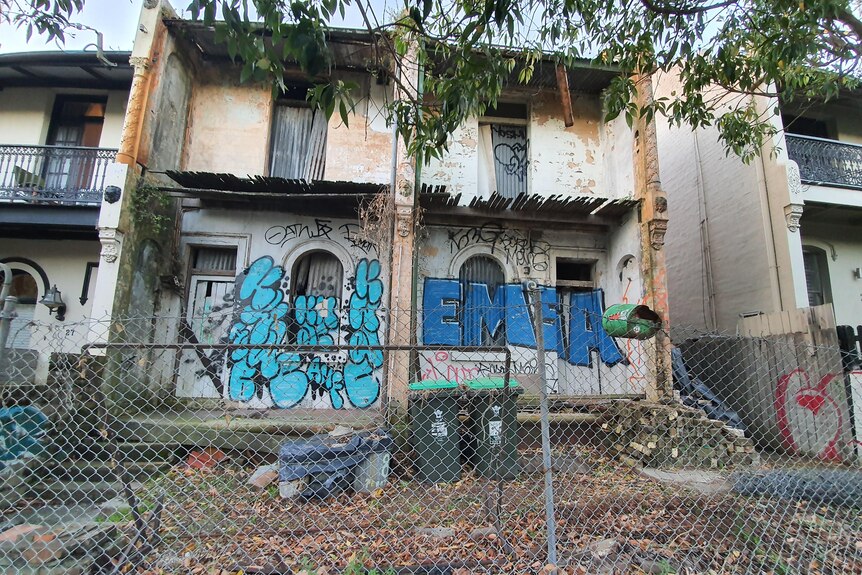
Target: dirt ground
point(610, 520)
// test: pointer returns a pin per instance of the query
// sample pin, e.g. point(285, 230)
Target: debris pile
point(673, 435)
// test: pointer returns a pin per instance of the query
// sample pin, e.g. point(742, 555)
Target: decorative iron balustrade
point(53, 174)
point(826, 162)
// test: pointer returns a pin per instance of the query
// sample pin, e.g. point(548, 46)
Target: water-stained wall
point(589, 158)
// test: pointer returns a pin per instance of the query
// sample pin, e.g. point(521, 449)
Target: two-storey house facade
point(61, 116)
point(291, 228)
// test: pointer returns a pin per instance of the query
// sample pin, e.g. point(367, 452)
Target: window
point(24, 287)
point(485, 271)
point(211, 291)
point(575, 274)
point(75, 121)
point(318, 273)
point(804, 126)
point(816, 276)
point(503, 151)
point(298, 150)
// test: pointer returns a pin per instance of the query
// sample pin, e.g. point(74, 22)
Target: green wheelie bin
point(434, 423)
point(494, 427)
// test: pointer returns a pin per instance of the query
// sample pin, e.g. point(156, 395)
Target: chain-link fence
point(272, 440)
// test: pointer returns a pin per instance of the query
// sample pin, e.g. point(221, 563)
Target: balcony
point(826, 162)
point(53, 175)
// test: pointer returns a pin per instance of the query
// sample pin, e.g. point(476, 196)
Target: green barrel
point(434, 430)
point(630, 321)
point(494, 427)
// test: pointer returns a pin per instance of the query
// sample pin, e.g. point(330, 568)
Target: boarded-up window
point(211, 291)
point(298, 142)
point(816, 276)
point(318, 273)
point(480, 271)
point(214, 260)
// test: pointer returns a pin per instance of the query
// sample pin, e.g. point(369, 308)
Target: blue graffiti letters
point(261, 322)
point(586, 331)
point(456, 313)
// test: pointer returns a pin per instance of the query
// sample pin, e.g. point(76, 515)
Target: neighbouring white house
point(781, 233)
point(61, 116)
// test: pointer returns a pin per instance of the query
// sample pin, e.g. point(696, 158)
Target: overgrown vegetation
point(469, 50)
point(149, 207)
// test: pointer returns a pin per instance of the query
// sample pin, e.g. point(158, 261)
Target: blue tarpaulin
point(328, 462)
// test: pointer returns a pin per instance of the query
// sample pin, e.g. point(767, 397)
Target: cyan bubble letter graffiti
point(264, 317)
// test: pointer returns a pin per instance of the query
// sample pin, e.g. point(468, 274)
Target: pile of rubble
point(673, 435)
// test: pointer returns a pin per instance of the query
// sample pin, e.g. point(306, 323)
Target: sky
point(116, 20)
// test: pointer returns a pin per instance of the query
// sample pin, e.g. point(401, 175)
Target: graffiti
point(265, 318)
point(363, 325)
point(320, 229)
point(809, 419)
point(635, 350)
point(351, 234)
point(280, 235)
point(460, 314)
point(22, 430)
point(517, 247)
point(464, 367)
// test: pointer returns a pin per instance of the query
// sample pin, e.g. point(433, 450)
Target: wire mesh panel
point(139, 445)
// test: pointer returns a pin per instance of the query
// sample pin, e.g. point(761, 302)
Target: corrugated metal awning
point(435, 199)
point(320, 197)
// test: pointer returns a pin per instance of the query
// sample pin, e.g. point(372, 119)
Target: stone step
point(78, 492)
point(94, 471)
point(132, 451)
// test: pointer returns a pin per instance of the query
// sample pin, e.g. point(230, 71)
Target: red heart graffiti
point(810, 399)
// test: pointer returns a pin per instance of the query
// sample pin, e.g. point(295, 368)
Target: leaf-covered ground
point(611, 520)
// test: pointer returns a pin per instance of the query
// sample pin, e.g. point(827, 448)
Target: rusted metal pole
point(550, 518)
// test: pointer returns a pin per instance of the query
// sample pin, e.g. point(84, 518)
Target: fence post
point(550, 519)
point(7, 314)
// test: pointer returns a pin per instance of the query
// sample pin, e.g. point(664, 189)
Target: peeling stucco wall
point(362, 151)
point(588, 158)
point(565, 160)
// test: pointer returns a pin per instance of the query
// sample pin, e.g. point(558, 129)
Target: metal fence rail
point(232, 443)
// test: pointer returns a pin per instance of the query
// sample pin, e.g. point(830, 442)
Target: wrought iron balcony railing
point(58, 175)
point(826, 162)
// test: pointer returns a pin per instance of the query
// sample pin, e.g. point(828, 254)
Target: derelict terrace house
point(268, 245)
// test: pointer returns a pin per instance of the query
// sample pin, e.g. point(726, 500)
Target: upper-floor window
point(816, 276)
point(805, 126)
point(77, 121)
point(503, 150)
point(298, 142)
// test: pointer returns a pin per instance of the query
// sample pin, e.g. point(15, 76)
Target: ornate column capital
point(403, 220)
point(657, 231)
point(793, 213)
point(111, 241)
